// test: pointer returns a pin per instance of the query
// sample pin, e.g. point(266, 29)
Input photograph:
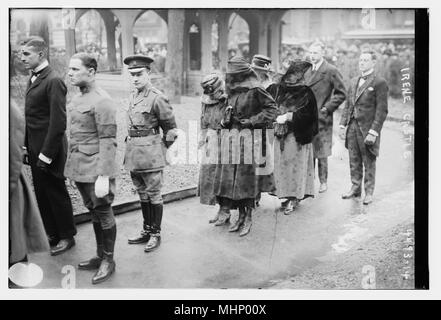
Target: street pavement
point(196, 254)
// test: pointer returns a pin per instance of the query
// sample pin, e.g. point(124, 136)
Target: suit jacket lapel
point(316, 76)
point(39, 79)
point(365, 85)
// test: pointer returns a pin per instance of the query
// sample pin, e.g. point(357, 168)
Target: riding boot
point(239, 222)
point(247, 223)
point(94, 263)
point(155, 233)
point(107, 266)
point(144, 235)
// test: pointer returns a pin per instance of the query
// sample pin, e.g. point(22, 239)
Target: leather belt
point(142, 132)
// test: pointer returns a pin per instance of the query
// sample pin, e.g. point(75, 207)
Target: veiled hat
point(298, 66)
point(261, 62)
point(237, 65)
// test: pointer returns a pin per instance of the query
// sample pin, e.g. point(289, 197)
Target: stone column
point(276, 42)
point(69, 38)
point(263, 34)
point(126, 19)
point(207, 19)
point(254, 39)
point(223, 40)
point(174, 60)
point(111, 47)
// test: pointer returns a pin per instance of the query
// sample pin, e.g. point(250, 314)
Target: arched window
point(91, 36)
point(151, 38)
point(238, 37)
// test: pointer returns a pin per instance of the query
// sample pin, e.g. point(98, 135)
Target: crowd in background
point(391, 58)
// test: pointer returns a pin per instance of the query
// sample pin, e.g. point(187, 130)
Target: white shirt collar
point(367, 72)
point(43, 65)
point(317, 65)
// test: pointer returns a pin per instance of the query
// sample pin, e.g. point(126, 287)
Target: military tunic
point(92, 143)
point(148, 111)
point(92, 151)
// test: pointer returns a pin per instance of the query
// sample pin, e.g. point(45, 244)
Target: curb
point(393, 119)
point(134, 204)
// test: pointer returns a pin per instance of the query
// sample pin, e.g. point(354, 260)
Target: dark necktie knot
point(34, 74)
point(364, 77)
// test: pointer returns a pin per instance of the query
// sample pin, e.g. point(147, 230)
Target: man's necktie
point(34, 75)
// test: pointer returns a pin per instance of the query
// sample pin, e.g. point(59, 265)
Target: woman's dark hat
point(211, 83)
point(261, 62)
point(298, 66)
point(237, 65)
point(137, 62)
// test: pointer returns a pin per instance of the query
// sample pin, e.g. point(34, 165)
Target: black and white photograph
point(278, 148)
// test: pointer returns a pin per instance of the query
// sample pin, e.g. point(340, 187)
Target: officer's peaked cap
point(137, 62)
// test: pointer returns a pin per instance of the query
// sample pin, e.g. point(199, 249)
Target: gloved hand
point(246, 123)
point(226, 120)
point(43, 166)
point(282, 118)
point(370, 139)
point(71, 183)
point(102, 186)
point(170, 137)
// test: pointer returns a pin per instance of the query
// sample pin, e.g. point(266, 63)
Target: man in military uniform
point(148, 111)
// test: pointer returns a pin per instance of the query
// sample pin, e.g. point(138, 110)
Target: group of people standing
point(88, 158)
point(298, 109)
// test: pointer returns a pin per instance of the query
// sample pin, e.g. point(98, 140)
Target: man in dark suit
point(361, 124)
point(327, 84)
point(46, 143)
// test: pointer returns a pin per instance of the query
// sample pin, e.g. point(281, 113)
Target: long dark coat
point(241, 181)
point(26, 231)
point(211, 116)
point(45, 111)
point(329, 90)
point(368, 104)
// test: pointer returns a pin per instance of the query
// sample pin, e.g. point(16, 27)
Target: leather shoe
point(246, 227)
point(90, 264)
point(62, 246)
point(323, 187)
point(214, 219)
point(224, 217)
point(106, 269)
point(291, 206)
point(368, 199)
point(53, 240)
point(239, 222)
point(142, 238)
point(154, 242)
point(351, 194)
